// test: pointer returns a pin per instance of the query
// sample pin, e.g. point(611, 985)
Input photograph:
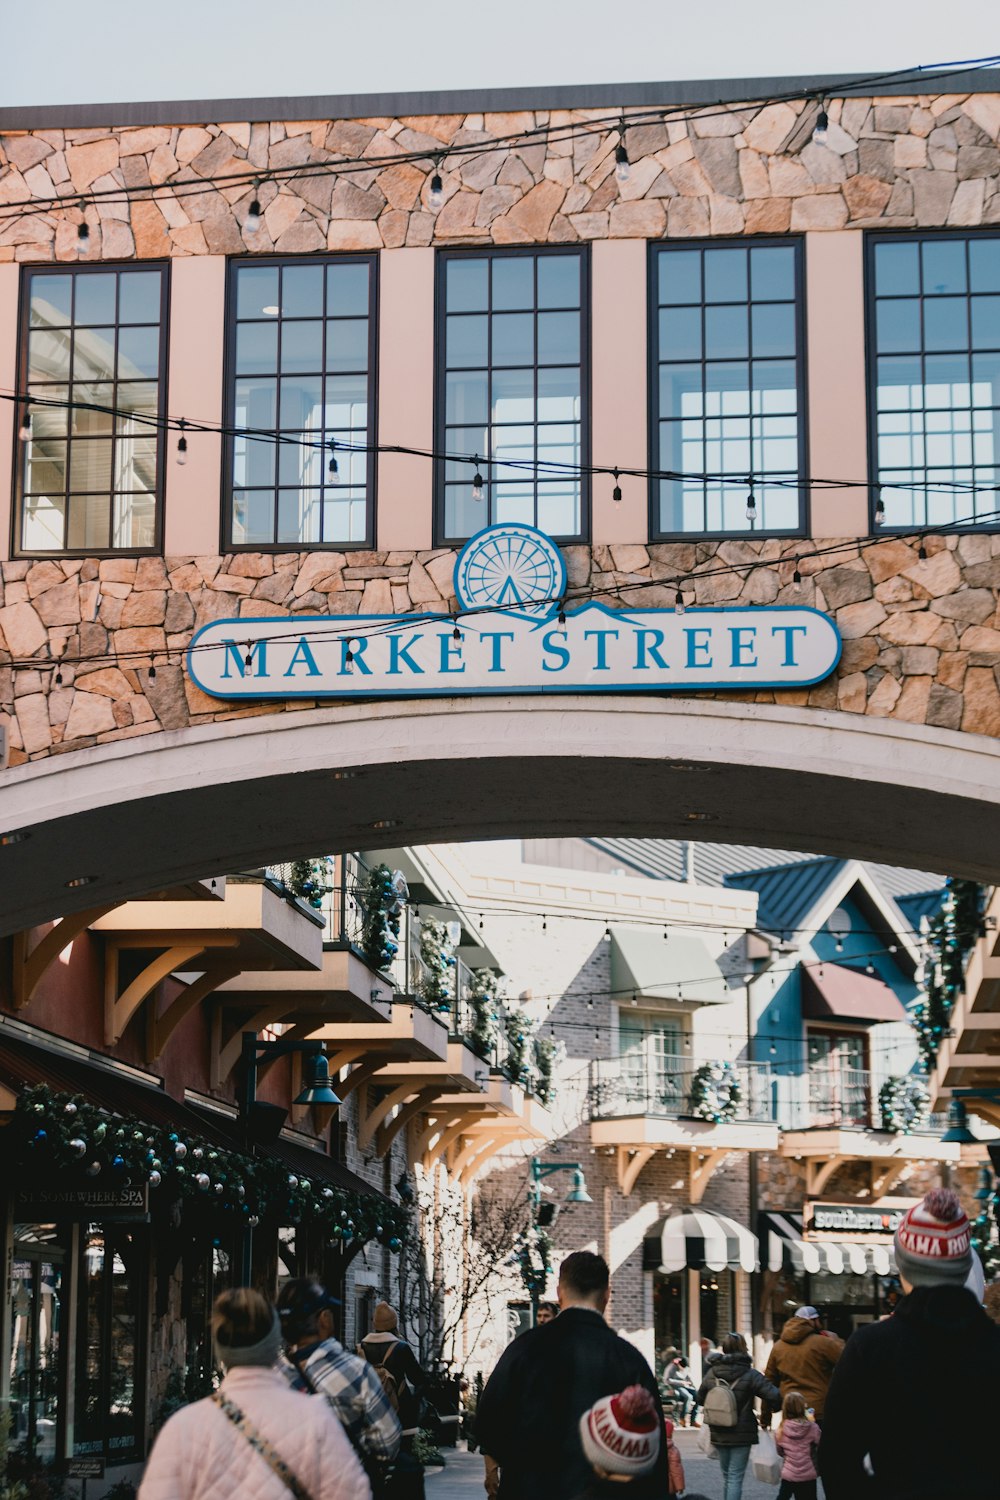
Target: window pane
point(299, 513)
point(138, 352)
point(468, 285)
point(253, 462)
point(898, 324)
point(49, 421)
point(680, 276)
point(95, 298)
point(558, 394)
point(52, 300)
point(513, 281)
point(257, 292)
point(44, 519)
point(943, 266)
point(680, 333)
point(49, 355)
point(347, 401)
point(256, 348)
point(986, 379)
point(302, 347)
point(301, 402)
point(513, 395)
point(772, 273)
point(87, 421)
point(135, 464)
point(984, 265)
point(725, 276)
point(133, 521)
point(46, 466)
point(559, 338)
point(256, 403)
point(726, 332)
point(467, 341)
point(681, 391)
point(302, 292)
point(466, 398)
point(559, 281)
point(92, 464)
point(945, 323)
point(139, 297)
point(140, 397)
point(89, 523)
point(347, 290)
point(347, 344)
point(986, 322)
point(94, 354)
point(897, 268)
point(774, 328)
point(253, 517)
point(513, 339)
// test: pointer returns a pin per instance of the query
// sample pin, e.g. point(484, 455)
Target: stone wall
point(921, 636)
point(893, 162)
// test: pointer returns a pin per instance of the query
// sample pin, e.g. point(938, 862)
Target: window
point(934, 363)
point(36, 1324)
point(301, 361)
point(90, 477)
point(512, 390)
point(114, 1273)
point(727, 388)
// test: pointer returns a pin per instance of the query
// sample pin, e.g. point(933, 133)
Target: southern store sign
point(850, 1219)
point(511, 636)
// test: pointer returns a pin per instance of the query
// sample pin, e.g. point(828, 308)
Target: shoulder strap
point(257, 1441)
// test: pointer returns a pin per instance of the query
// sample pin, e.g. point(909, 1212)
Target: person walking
point(727, 1394)
point(675, 1466)
point(803, 1359)
point(547, 1313)
point(886, 1434)
point(254, 1436)
point(318, 1363)
point(620, 1436)
point(797, 1441)
point(391, 1355)
point(529, 1414)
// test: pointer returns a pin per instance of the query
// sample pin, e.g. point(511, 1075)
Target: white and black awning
point(785, 1249)
point(698, 1240)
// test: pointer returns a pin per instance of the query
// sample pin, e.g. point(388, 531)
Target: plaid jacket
point(356, 1395)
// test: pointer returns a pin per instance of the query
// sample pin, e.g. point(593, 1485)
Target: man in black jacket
point(888, 1432)
point(528, 1418)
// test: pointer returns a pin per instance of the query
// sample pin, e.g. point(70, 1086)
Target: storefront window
point(111, 1316)
point(717, 1305)
point(669, 1320)
point(36, 1291)
point(845, 1301)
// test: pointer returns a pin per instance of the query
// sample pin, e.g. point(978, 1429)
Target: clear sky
point(69, 52)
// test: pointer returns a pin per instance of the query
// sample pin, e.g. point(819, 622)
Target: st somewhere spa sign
point(512, 637)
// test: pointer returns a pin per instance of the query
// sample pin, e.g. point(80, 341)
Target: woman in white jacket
point(256, 1438)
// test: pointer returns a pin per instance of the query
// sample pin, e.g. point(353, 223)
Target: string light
point(456, 634)
point(83, 232)
point(616, 493)
point(822, 125)
point(435, 192)
point(922, 551)
point(477, 482)
point(562, 615)
point(797, 578)
point(251, 223)
point(751, 503)
point(182, 444)
point(333, 468)
point(623, 167)
point(24, 431)
point(151, 674)
point(679, 604)
point(879, 506)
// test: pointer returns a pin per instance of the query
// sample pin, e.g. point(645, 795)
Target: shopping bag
point(705, 1441)
point(764, 1459)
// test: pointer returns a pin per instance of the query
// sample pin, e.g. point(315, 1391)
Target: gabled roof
point(921, 904)
point(788, 893)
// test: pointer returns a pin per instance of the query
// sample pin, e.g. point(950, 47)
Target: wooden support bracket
point(474, 1157)
point(885, 1175)
point(30, 963)
point(369, 1123)
point(119, 1009)
point(359, 1076)
point(226, 1054)
point(447, 1134)
point(163, 1027)
point(819, 1171)
point(631, 1161)
point(701, 1171)
point(389, 1129)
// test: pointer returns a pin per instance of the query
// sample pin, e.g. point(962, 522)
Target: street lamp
point(577, 1194)
point(317, 1091)
point(958, 1132)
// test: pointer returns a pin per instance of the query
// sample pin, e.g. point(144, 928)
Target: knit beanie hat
point(386, 1320)
point(621, 1434)
point(264, 1353)
point(933, 1241)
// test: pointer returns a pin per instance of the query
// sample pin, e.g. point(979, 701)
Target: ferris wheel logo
point(514, 568)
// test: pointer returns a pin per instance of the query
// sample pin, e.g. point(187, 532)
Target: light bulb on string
point(182, 444)
point(333, 468)
point(477, 481)
point(616, 493)
point(435, 192)
point(879, 507)
point(679, 605)
point(562, 615)
point(83, 232)
point(248, 659)
point(922, 550)
point(622, 165)
point(822, 125)
point(151, 674)
point(24, 431)
point(797, 577)
point(456, 634)
point(251, 223)
point(751, 503)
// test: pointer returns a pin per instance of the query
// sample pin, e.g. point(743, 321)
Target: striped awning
point(785, 1249)
point(699, 1240)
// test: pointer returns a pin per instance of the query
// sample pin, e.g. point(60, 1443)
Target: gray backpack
point(721, 1408)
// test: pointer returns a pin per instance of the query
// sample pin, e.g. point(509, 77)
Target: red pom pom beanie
point(934, 1241)
point(621, 1434)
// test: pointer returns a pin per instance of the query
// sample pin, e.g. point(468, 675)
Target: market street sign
point(117, 1202)
point(510, 635)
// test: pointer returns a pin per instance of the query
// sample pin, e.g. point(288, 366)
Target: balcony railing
point(667, 1086)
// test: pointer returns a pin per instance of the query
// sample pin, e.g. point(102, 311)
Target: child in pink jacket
point(797, 1440)
point(675, 1469)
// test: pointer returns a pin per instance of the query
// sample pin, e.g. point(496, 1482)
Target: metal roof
point(693, 93)
point(788, 893)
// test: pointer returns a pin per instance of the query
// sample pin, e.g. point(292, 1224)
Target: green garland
point(438, 954)
point(60, 1136)
point(984, 1226)
point(715, 1092)
point(546, 1054)
point(307, 881)
point(382, 898)
point(950, 939)
point(519, 1030)
point(484, 1002)
point(904, 1104)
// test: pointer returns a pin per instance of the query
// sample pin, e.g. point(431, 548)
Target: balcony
point(667, 1087)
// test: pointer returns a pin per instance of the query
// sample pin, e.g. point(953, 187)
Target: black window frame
point(873, 238)
point(491, 252)
point(229, 377)
point(18, 467)
point(747, 242)
point(102, 1445)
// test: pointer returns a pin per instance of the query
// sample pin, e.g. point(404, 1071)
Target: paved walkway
point(462, 1478)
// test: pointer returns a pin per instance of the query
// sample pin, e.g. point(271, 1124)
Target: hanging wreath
point(438, 954)
point(904, 1104)
point(951, 935)
point(519, 1031)
point(56, 1136)
point(547, 1056)
point(715, 1093)
point(382, 896)
point(484, 1004)
point(307, 881)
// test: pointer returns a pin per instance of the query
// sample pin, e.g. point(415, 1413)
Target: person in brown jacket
point(803, 1359)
